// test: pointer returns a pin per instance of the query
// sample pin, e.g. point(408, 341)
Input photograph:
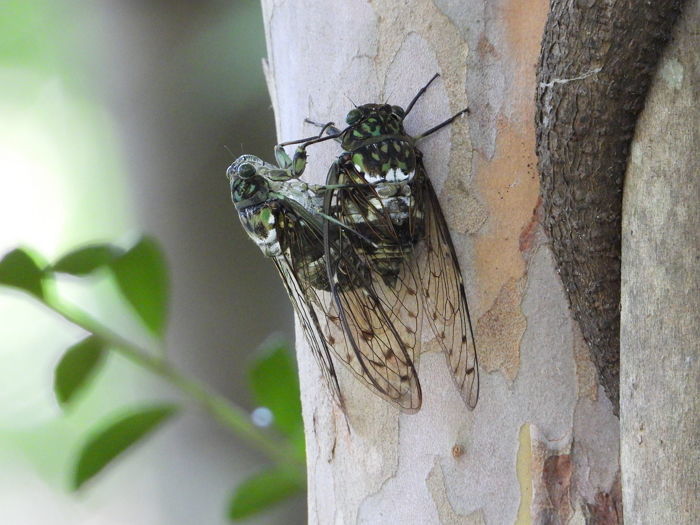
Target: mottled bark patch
point(528, 235)
point(556, 478)
point(551, 502)
point(445, 511)
point(500, 330)
point(586, 375)
point(463, 211)
point(596, 64)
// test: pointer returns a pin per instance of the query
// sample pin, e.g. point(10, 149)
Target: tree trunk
point(542, 444)
point(596, 66)
point(660, 365)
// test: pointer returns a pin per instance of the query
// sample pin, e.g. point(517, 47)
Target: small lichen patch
point(500, 329)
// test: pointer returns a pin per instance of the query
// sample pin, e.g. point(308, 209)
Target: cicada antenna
point(231, 152)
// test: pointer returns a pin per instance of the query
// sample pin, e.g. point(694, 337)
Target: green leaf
point(275, 384)
point(263, 490)
point(20, 269)
point(87, 259)
point(141, 274)
point(76, 367)
point(110, 440)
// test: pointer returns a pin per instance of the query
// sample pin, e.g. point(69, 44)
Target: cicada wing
point(442, 288)
point(297, 268)
point(389, 254)
point(376, 315)
point(373, 348)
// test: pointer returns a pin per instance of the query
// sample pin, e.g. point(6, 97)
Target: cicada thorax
point(273, 225)
point(259, 223)
point(372, 121)
point(305, 259)
point(257, 212)
point(380, 165)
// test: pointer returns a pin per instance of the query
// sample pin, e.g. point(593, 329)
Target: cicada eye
point(353, 117)
point(245, 171)
point(398, 111)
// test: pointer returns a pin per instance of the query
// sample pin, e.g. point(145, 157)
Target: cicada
point(366, 258)
point(282, 215)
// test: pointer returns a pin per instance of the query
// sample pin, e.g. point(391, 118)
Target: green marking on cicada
point(299, 163)
point(266, 216)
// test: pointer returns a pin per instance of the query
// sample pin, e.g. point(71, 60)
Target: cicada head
point(372, 120)
point(248, 187)
point(250, 192)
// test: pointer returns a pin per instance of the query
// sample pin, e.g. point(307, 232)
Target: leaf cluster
point(142, 278)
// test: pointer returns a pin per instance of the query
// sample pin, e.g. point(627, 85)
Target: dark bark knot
point(595, 68)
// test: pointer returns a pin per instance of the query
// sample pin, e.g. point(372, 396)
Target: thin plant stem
point(223, 410)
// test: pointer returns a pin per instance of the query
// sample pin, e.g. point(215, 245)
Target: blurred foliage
point(64, 183)
point(20, 269)
point(20, 23)
point(78, 364)
point(86, 260)
point(141, 274)
point(110, 440)
point(275, 385)
point(142, 278)
point(264, 489)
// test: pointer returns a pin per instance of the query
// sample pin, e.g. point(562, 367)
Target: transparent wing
point(375, 313)
point(298, 268)
point(443, 292)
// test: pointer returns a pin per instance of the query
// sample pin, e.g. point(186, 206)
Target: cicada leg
point(419, 95)
point(441, 125)
point(330, 128)
point(295, 166)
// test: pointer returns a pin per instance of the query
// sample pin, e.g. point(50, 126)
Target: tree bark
point(595, 69)
point(660, 358)
point(542, 444)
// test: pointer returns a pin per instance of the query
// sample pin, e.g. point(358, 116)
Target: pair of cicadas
point(366, 258)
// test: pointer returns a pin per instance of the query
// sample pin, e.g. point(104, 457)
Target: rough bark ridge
point(595, 69)
point(659, 354)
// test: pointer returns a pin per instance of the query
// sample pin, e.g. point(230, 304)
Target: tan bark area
point(660, 336)
point(446, 464)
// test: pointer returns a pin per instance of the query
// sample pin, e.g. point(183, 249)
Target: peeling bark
point(607, 508)
point(446, 464)
point(595, 68)
point(553, 481)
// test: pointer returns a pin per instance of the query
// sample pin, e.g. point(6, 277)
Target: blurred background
point(117, 118)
